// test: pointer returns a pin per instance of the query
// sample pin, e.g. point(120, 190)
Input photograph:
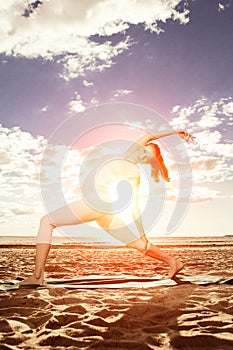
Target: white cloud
point(20, 156)
point(203, 114)
point(122, 92)
point(91, 57)
point(77, 105)
point(5, 157)
point(94, 101)
point(212, 154)
point(211, 169)
point(209, 120)
point(175, 109)
point(21, 177)
point(63, 29)
point(203, 194)
point(228, 109)
point(221, 7)
point(15, 142)
point(16, 209)
point(44, 109)
point(87, 83)
point(199, 194)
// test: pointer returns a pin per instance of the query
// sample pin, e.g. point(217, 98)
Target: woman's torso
point(102, 181)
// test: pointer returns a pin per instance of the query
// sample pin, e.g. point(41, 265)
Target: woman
point(90, 208)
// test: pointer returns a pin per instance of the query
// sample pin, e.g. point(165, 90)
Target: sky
point(61, 60)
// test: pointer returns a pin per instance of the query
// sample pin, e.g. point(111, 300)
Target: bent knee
point(46, 220)
point(139, 244)
point(105, 222)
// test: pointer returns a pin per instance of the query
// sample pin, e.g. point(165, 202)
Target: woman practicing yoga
point(90, 208)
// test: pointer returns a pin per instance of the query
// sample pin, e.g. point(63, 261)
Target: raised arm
point(148, 137)
point(145, 139)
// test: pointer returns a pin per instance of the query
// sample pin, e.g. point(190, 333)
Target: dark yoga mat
point(115, 282)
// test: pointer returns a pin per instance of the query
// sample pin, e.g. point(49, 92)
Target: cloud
point(221, 7)
point(203, 114)
point(203, 193)
point(63, 30)
point(44, 109)
point(21, 178)
point(14, 211)
point(212, 154)
point(205, 163)
point(197, 196)
point(77, 105)
point(91, 57)
point(228, 109)
point(21, 210)
point(122, 92)
point(20, 157)
point(224, 6)
point(5, 157)
point(87, 83)
point(94, 101)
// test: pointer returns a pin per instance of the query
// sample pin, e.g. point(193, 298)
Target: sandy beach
point(166, 317)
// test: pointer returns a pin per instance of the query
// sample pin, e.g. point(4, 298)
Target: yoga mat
point(114, 282)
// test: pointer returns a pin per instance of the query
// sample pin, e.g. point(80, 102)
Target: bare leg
point(156, 253)
point(43, 245)
point(174, 264)
point(118, 229)
point(72, 214)
point(42, 251)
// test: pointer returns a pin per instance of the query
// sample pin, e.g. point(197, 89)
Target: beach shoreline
point(82, 242)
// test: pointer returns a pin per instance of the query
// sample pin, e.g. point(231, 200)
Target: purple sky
point(178, 66)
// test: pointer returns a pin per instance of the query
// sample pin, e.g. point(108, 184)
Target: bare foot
point(175, 267)
point(33, 280)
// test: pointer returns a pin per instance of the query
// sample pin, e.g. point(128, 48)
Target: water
point(84, 241)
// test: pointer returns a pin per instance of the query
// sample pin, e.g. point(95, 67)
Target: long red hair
point(157, 164)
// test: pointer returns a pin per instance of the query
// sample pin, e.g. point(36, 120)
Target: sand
point(177, 317)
